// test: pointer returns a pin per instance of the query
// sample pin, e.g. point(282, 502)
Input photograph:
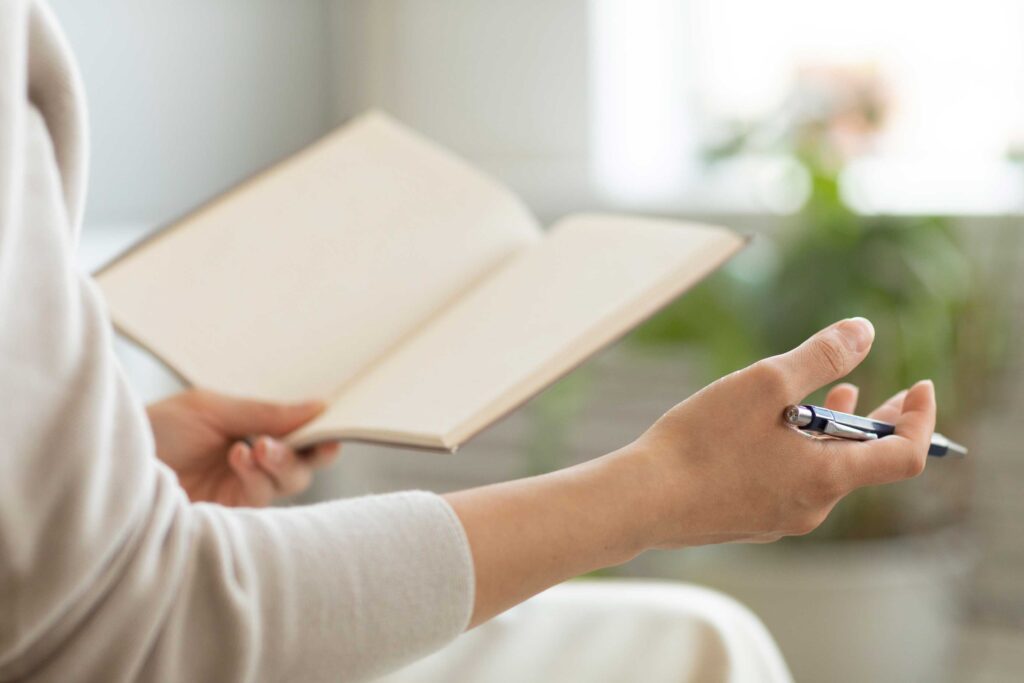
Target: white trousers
point(596, 631)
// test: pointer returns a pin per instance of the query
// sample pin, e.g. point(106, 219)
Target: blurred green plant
point(939, 313)
point(552, 417)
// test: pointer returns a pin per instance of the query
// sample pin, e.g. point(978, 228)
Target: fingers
point(900, 456)
point(917, 414)
point(269, 469)
point(290, 472)
point(891, 409)
point(827, 356)
point(240, 417)
point(842, 397)
point(258, 488)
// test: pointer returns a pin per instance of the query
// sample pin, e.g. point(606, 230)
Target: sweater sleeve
point(107, 572)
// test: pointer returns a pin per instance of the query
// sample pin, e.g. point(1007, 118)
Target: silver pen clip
point(841, 431)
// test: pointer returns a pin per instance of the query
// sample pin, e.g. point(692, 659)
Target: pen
point(843, 426)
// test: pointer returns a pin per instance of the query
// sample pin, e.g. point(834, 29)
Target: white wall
point(188, 96)
point(504, 83)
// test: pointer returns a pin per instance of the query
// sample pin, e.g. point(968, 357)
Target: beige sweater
point(107, 572)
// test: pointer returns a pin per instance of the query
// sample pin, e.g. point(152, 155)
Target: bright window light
point(639, 104)
point(953, 75)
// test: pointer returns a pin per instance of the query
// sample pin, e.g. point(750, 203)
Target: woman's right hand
point(723, 466)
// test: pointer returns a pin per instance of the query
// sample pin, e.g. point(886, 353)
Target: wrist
point(529, 534)
point(631, 489)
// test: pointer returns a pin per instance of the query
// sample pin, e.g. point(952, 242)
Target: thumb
point(241, 417)
point(829, 355)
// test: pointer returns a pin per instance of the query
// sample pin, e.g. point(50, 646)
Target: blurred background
point(874, 148)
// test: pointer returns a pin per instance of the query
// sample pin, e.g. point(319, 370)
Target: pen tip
point(956, 450)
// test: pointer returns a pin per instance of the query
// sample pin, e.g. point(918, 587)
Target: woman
point(112, 567)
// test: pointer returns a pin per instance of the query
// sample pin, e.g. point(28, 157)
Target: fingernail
point(857, 333)
point(245, 454)
point(272, 452)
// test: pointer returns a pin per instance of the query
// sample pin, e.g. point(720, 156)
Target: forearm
point(530, 534)
point(697, 476)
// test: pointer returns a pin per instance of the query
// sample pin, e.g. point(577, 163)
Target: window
point(667, 73)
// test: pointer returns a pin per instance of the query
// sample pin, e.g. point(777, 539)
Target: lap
point(611, 630)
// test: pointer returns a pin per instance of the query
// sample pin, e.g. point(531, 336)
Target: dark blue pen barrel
point(823, 415)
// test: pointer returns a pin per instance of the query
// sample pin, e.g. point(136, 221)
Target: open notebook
point(414, 293)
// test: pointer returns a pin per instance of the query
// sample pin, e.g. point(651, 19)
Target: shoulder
point(37, 71)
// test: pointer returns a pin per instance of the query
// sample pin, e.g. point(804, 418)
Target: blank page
point(593, 278)
point(289, 285)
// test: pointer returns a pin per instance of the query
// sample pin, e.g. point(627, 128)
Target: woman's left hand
point(224, 449)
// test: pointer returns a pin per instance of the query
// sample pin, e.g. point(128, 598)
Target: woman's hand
point(727, 468)
point(224, 449)
point(721, 466)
